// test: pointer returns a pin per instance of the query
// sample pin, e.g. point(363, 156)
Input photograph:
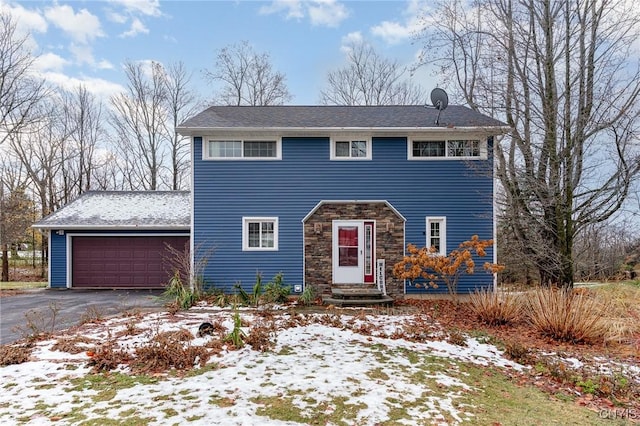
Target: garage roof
point(126, 210)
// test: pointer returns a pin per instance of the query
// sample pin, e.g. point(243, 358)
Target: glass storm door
point(353, 248)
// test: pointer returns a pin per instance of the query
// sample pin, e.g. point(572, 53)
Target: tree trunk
point(5, 263)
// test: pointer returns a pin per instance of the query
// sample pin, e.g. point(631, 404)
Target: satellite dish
point(440, 101)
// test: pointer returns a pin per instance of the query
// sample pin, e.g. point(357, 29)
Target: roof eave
point(112, 227)
point(198, 131)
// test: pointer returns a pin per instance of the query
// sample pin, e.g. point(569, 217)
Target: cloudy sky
point(88, 41)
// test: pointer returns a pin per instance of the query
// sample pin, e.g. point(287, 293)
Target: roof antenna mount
point(440, 101)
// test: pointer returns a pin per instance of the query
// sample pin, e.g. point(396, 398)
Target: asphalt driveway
point(69, 307)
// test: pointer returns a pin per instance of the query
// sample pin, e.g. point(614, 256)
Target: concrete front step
point(381, 301)
point(356, 293)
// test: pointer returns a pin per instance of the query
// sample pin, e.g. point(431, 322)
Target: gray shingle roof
point(336, 117)
point(161, 210)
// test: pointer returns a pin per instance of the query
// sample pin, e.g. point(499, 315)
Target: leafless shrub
point(261, 336)
point(169, 350)
point(457, 338)
point(15, 354)
point(39, 324)
point(72, 345)
point(568, 316)
point(517, 352)
point(107, 356)
point(494, 307)
point(92, 314)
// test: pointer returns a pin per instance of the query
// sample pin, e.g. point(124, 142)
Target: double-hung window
point(259, 233)
point(350, 149)
point(453, 148)
point(437, 234)
point(242, 149)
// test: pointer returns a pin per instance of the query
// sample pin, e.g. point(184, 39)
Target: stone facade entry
point(318, 240)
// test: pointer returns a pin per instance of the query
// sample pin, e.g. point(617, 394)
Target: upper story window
point(243, 150)
point(350, 149)
point(454, 148)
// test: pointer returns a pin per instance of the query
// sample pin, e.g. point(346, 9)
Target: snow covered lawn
point(333, 367)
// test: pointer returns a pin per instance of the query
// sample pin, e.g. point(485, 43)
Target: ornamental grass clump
point(568, 316)
point(495, 307)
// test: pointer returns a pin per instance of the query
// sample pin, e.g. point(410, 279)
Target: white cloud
point(137, 27)
point(349, 40)
point(145, 7)
point(292, 8)
point(50, 62)
point(83, 26)
point(101, 88)
point(83, 54)
point(26, 20)
point(116, 17)
point(328, 13)
point(394, 32)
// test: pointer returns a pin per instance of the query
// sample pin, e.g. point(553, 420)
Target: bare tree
point(16, 210)
point(20, 91)
point(39, 151)
point(139, 118)
point(83, 115)
point(247, 77)
point(565, 79)
point(181, 103)
point(370, 79)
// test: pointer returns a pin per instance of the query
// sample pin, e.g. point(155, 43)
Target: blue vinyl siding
point(58, 260)
point(225, 191)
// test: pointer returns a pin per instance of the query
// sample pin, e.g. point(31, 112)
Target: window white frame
point(448, 148)
point(246, 220)
point(442, 222)
point(351, 140)
point(206, 152)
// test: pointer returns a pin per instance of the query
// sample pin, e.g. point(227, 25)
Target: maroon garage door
point(119, 262)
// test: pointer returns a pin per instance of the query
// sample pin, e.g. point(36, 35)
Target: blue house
point(331, 195)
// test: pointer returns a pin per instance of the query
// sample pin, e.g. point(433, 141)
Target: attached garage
point(117, 239)
point(122, 261)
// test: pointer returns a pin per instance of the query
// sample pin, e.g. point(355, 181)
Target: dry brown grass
point(569, 316)
point(495, 307)
point(624, 315)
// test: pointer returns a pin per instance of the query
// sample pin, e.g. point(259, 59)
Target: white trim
point(192, 246)
point(253, 138)
point(322, 131)
point(323, 202)
point(49, 257)
point(443, 233)
point(350, 138)
point(115, 234)
point(245, 234)
point(482, 146)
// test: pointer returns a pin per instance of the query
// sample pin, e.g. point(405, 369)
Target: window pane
point(348, 256)
point(267, 234)
point(428, 149)
point(463, 148)
point(359, 149)
point(342, 149)
point(260, 149)
point(225, 149)
point(254, 234)
point(434, 235)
